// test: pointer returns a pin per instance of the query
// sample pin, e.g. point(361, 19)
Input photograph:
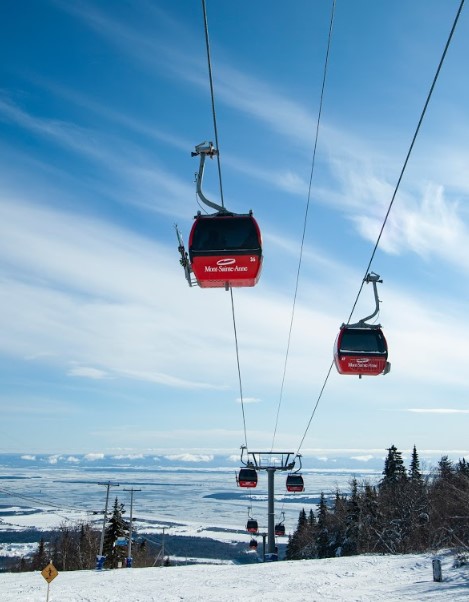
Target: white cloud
point(53, 459)
point(92, 373)
point(248, 400)
point(190, 457)
point(128, 457)
point(437, 411)
point(364, 458)
point(429, 227)
point(130, 170)
point(92, 457)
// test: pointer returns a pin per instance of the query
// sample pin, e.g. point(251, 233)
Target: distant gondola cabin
point(361, 351)
point(280, 530)
point(295, 483)
point(225, 250)
point(247, 477)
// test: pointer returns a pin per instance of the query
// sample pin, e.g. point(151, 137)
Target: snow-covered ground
point(353, 579)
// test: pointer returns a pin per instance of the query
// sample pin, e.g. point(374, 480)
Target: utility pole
point(129, 547)
point(161, 552)
point(100, 558)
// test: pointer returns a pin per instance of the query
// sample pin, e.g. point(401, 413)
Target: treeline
point(405, 512)
point(75, 547)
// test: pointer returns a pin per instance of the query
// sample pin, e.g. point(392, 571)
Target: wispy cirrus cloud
point(88, 372)
point(423, 221)
point(132, 173)
point(248, 400)
point(437, 411)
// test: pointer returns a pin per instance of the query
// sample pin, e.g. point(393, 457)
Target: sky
point(356, 578)
point(105, 348)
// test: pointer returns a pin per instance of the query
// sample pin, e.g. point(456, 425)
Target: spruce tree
point(463, 467)
point(322, 540)
point(446, 469)
point(301, 543)
point(414, 470)
point(418, 505)
point(40, 558)
point(116, 528)
point(352, 520)
point(394, 469)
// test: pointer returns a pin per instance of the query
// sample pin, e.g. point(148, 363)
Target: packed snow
point(352, 579)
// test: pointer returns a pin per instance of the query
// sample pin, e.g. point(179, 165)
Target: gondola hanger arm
point(374, 279)
point(204, 150)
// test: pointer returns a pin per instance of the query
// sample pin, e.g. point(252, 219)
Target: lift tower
point(270, 462)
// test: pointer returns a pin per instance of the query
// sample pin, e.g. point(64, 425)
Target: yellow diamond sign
point(50, 572)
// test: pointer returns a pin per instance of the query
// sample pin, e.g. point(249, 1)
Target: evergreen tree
point(463, 468)
point(302, 521)
point(394, 469)
point(352, 522)
point(370, 517)
point(302, 543)
point(418, 505)
point(117, 528)
point(414, 471)
point(322, 540)
point(446, 469)
point(337, 521)
point(40, 558)
point(394, 523)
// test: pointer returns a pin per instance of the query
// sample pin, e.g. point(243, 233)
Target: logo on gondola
point(227, 261)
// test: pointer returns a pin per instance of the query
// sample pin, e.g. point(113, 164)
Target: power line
point(313, 162)
point(422, 115)
point(38, 501)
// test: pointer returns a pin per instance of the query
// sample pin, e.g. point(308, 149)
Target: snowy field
point(352, 579)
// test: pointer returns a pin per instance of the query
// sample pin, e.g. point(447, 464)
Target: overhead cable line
point(212, 97)
point(422, 115)
point(408, 154)
point(214, 115)
point(313, 162)
point(239, 369)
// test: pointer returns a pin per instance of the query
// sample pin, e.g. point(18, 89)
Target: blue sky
point(103, 345)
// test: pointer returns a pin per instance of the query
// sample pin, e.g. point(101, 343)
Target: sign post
point(49, 573)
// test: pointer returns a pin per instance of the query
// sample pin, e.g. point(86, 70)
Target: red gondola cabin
point(225, 250)
point(361, 351)
point(247, 477)
point(295, 483)
point(280, 530)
